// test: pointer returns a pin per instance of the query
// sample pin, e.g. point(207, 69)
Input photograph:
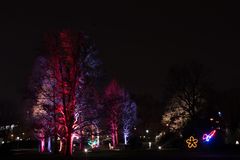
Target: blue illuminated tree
point(129, 116)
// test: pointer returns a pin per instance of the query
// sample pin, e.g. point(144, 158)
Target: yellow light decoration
point(192, 142)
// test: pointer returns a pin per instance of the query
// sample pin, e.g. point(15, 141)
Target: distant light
point(135, 128)
point(58, 138)
point(147, 131)
point(12, 135)
point(143, 136)
point(23, 133)
point(150, 145)
point(211, 119)
point(159, 147)
point(220, 114)
point(85, 150)
point(20, 139)
point(237, 143)
point(3, 142)
point(167, 124)
point(17, 138)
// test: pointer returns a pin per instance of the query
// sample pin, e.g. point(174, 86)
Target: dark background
point(138, 42)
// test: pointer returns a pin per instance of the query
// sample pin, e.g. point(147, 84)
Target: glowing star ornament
point(192, 142)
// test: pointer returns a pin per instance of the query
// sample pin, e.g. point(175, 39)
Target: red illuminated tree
point(120, 112)
point(114, 96)
point(70, 64)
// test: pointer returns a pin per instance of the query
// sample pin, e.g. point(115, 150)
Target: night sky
point(137, 42)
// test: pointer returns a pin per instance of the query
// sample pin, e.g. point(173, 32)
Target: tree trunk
point(69, 144)
point(116, 134)
point(49, 144)
point(113, 136)
point(56, 148)
point(42, 145)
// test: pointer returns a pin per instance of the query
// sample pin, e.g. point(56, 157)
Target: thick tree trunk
point(56, 148)
point(49, 144)
point(42, 145)
point(98, 140)
point(125, 138)
point(116, 134)
point(113, 136)
point(69, 144)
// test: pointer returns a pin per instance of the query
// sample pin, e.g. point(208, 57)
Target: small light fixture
point(159, 147)
point(219, 114)
point(237, 142)
point(85, 150)
point(150, 145)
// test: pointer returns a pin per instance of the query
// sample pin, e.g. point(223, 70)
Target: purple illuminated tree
point(121, 112)
point(129, 117)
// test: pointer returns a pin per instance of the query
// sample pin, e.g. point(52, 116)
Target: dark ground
point(131, 155)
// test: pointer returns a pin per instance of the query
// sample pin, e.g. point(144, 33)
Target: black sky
point(138, 42)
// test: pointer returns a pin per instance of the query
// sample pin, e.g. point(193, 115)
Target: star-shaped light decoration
point(192, 142)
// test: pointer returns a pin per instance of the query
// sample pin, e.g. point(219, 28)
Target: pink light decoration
point(207, 137)
point(42, 145)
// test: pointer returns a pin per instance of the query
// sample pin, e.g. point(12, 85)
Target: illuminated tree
point(87, 110)
point(188, 85)
point(187, 88)
point(43, 108)
point(176, 117)
point(121, 112)
point(128, 117)
point(70, 65)
point(114, 96)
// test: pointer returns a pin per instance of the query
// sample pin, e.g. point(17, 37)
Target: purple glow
point(128, 118)
point(49, 144)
